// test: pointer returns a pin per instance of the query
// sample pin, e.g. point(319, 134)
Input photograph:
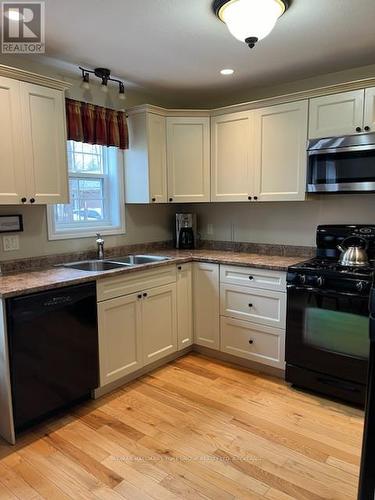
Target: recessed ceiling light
point(227, 71)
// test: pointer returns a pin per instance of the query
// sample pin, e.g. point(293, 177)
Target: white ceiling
point(179, 45)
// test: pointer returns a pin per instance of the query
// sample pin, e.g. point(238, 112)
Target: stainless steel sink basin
point(136, 260)
point(95, 265)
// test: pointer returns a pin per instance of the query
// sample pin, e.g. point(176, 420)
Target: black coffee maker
point(186, 231)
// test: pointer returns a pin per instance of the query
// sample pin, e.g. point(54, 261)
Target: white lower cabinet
point(206, 305)
point(184, 306)
point(159, 323)
point(258, 343)
point(138, 328)
point(253, 314)
point(120, 337)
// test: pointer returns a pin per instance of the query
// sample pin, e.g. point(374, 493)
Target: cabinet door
point(157, 158)
point(12, 173)
point(120, 336)
point(232, 157)
point(159, 323)
point(184, 306)
point(280, 134)
point(206, 306)
point(188, 159)
point(369, 119)
point(336, 115)
point(43, 111)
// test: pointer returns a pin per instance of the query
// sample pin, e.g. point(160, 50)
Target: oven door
point(327, 332)
point(347, 169)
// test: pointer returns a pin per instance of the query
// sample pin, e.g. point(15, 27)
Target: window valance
point(96, 125)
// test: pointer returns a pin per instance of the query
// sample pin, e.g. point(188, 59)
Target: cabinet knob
point(250, 305)
point(153, 200)
point(145, 295)
point(24, 200)
point(32, 200)
point(179, 268)
point(367, 128)
point(251, 278)
point(358, 129)
point(249, 198)
point(255, 198)
point(170, 199)
point(140, 296)
point(251, 342)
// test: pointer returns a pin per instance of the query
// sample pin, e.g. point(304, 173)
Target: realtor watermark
point(22, 27)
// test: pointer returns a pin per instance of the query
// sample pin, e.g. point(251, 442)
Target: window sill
point(86, 233)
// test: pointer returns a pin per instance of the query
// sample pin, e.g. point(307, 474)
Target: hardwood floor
point(196, 428)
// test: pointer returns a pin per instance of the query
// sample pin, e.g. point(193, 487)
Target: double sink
point(115, 263)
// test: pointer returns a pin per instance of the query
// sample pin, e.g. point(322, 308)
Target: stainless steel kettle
point(351, 254)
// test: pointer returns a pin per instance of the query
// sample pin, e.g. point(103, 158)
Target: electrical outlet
point(11, 242)
point(210, 229)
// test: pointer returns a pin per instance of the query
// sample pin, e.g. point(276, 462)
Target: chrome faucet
point(100, 245)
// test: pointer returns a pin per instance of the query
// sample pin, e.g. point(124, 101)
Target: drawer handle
point(250, 305)
point(251, 342)
point(251, 278)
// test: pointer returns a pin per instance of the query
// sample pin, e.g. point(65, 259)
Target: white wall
point(144, 224)
point(289, 223)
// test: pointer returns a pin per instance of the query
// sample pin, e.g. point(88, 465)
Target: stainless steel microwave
point(341, 164)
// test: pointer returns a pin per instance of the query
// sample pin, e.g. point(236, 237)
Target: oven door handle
point(319, 291)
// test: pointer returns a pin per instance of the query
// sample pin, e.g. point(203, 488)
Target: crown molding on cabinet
point(261, 103)
point(28, 76)
point(157, 110)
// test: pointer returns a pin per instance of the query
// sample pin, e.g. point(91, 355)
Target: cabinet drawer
point(254, 278)
point(255, 342)
point(109, 288)
point(259, 306)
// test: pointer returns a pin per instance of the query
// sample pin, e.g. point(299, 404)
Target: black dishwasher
point(53, 350)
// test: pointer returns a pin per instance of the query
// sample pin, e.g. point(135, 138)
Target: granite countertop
point(16, 284)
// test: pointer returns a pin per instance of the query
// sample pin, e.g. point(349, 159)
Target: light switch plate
point(11, 242)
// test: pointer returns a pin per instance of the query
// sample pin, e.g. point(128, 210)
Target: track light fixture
point(105, 75)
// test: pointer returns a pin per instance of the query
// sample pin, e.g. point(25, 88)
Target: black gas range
point(327, 341)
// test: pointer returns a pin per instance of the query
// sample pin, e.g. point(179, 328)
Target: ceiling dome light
point(227, 71)
point(250, 20)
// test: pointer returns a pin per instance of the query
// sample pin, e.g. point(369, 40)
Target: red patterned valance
point(96, 125)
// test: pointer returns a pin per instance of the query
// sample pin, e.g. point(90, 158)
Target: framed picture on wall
point(11, 223)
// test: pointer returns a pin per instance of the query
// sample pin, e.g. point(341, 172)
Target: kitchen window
point(96, 194)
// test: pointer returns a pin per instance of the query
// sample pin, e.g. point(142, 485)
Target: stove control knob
point(302, 279)
point(319, 281)
point(360, 286)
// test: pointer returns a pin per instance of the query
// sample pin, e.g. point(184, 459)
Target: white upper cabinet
point(280, 135)
point(146, 160)
point(188, 159)
point(33, 144)
point(43, 116)
point(12, 172)
point(337, 114)
point(369, 118)
point(232, 173)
